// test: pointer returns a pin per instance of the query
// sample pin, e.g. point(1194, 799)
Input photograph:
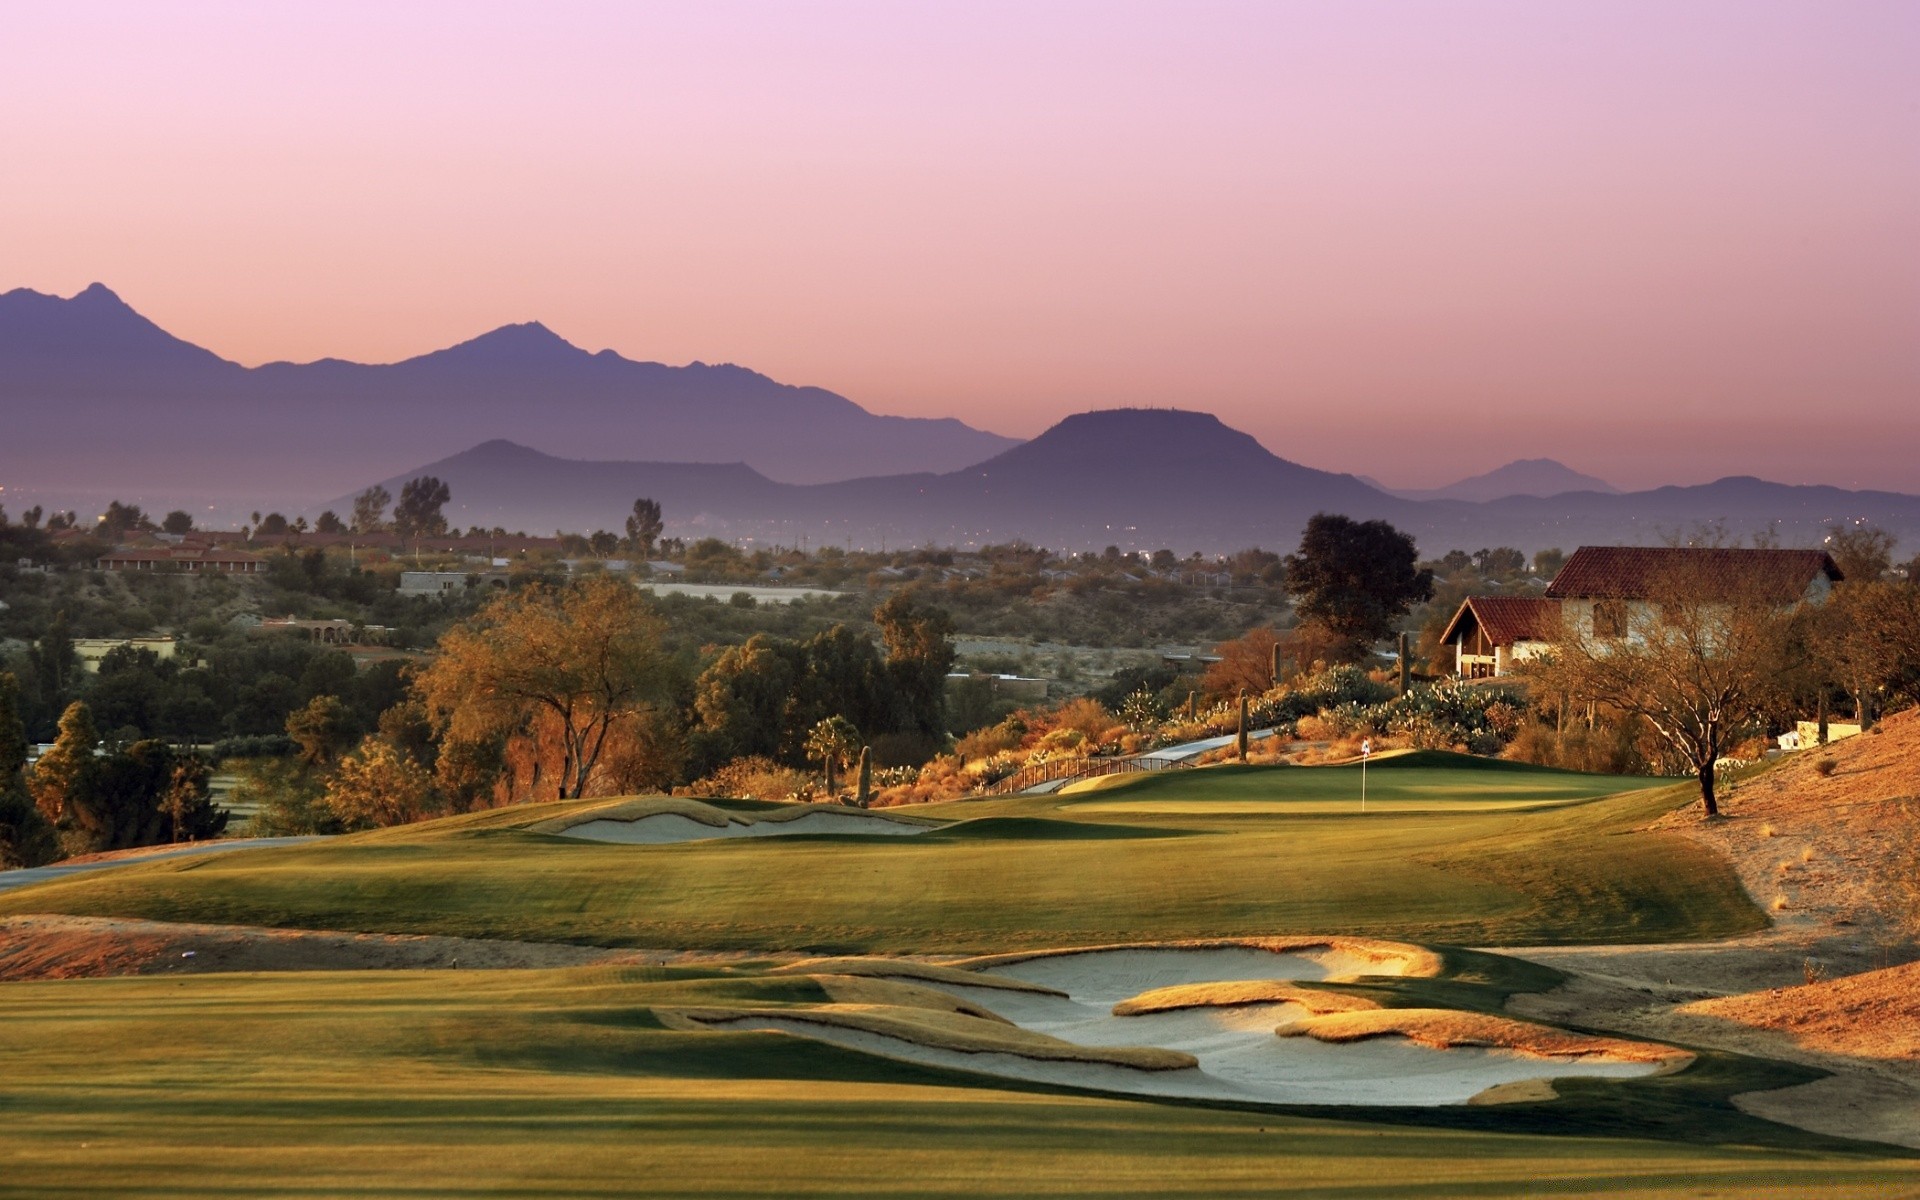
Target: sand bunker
point(1217, 1005)
point(661, 820)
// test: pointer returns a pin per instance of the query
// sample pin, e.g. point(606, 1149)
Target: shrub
point(1825, 767)
point(752, 777)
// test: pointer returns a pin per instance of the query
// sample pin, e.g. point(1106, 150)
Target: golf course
point(1068, 994)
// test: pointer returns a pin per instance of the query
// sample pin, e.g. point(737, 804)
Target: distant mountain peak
point(526, 342)
point(1522, 477)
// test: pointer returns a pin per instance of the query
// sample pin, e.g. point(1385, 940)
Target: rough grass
point(1583, 872)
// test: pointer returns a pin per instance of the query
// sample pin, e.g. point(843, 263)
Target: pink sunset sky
point(1663, 242)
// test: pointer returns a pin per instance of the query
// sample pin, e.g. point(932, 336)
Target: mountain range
point(1134, 478)
point(99, 401)
point(97, 395)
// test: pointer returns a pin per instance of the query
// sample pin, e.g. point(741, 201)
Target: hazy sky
point(1664, 242)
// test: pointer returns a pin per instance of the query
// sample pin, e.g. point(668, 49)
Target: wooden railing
point(1079, 768)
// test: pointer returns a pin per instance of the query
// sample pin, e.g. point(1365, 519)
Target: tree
point(26, 837)
point(65, 775)
point(370, 509)
point(178, 521)
point(584, 656)
point(603, 544)
point(1355, 577)
point(919, 641)
point(379, 785)
point(329, 522)
point(418, 513)
point(1245, 664)
point(1548, 562)
point(122, 519)
point(1700, 662)
point(273, 525)
point(1862, 552)
point(1865, 640)
point(644, 526)
point(832, 742)
point(324, 730)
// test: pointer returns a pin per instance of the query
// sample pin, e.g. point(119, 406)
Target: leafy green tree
point(644, 526)
point(1355, 577)
point(919, 641)
point(324, 730)
point(122, 519)
point(418, 513)
point(370, 509)
point(329, 522)
point(272, 525)
point(178, 521)
point(26, 837)
point(53, 672)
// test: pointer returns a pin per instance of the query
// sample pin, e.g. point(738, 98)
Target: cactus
point(1274, 679)
point(1240, 736)
point(864, 797)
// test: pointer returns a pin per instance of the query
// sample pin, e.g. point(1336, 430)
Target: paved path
point(28, 876)
point(1186, 750)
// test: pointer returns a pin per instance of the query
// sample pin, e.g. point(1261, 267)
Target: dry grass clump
point(1779, 904)
point(1341, 957)
point(1767, 831)
point(939, 1030)
point(902, 968)
point(1244, 991)
point(1445, 1028)
point(635, 809)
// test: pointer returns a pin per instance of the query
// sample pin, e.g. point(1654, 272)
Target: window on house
point(1610, 619)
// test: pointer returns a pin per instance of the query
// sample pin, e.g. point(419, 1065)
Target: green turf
point(559, 1083)
point(1031, 872)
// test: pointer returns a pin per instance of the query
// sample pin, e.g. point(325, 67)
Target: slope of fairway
point(563, 1083)
point(1570, 872)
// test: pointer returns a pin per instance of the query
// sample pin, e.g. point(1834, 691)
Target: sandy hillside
point(1833, 984)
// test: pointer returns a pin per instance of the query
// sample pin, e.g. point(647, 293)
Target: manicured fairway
point(561, 1083)
point(1017, 873)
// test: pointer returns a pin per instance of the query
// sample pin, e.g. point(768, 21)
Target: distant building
point(1491, 633)
point(1608, 592)
point(434, 583)
point(333, 632)
point(91, 650)
point(183, 556)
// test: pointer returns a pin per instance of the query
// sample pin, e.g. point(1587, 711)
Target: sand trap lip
point(911, 970)
point(663, 820)
point(1221, 1003)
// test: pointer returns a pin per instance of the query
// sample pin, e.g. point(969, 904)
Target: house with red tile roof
point(1608, 591)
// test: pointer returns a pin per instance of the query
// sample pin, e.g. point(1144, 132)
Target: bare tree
point(1699, 659)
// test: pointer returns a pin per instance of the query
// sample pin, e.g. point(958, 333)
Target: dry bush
point(754, 777)
point(1825, 767)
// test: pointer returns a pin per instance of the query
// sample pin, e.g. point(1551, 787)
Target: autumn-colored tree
point(1865, 640)
point(65, 775)
point(1246, 664)
point(378, 785)
point(323, 730)
point(585, 655)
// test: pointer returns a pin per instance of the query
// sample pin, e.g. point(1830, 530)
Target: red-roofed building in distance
point(1606, 592)
point(185, 555)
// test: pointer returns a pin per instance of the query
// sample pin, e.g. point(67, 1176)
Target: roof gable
point(1506, 619)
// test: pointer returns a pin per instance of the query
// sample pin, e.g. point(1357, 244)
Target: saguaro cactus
point(864, 796)
point(1240, 737)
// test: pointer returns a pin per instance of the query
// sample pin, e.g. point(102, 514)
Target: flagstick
point(1366, 752)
